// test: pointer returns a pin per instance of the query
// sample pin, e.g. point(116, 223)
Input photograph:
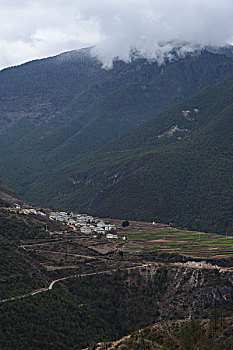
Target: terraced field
point(184, 242)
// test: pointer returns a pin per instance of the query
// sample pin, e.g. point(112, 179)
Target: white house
point(33, 211)
point(110, 235)
point(41, 213)
point(86, 230)
point(99, 229)
point(71, 222)
point(110, 228)
point(100, 224)
point(59, 218)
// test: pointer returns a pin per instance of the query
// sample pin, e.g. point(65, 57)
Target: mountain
point(176, 168)
point(108, 145)
point(87, 107)
point(36, 91)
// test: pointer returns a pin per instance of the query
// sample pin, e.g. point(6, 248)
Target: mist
point(35, 29)
point(155, 28)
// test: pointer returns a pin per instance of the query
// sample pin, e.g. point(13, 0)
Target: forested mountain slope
point(37, 91)
point(101, 106)
point(176, 168)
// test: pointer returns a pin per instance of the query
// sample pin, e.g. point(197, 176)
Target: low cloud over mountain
point(32, 29)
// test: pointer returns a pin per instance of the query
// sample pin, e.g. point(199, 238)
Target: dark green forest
point(97, 142)
point(81, 312)
point(140, 141)
point(84, 311)
point(185, 179)
point(100, 107)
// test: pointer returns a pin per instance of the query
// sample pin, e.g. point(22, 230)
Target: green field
point(183, 242)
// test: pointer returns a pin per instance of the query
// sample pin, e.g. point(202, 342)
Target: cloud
point(36, 29)
point(39, 28)
point(146, 24)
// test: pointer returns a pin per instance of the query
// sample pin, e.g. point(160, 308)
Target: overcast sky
point(32, 29)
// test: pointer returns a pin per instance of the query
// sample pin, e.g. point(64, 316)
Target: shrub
point(125, 223)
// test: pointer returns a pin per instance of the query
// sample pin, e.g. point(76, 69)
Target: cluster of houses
point(85, 223)
point(26, 211)
point(33, 211)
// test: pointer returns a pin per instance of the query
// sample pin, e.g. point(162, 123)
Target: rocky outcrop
point(193, 291)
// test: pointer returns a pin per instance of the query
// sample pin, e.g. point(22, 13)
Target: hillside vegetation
point(182, 335)
point(175, 168)
point(61, 289)
point(88, 139)
point(51, 127)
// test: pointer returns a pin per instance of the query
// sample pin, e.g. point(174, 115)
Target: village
point(78, 223)
point(86, 224)
point(107, 235)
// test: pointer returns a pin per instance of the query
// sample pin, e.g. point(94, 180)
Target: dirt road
point(186, 265)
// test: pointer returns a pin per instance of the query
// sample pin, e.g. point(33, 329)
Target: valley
point(127, 242)
point(105, 127)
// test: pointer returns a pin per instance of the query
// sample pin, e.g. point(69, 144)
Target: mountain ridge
point(94, 152)
point(186, 181)
point(60, 141)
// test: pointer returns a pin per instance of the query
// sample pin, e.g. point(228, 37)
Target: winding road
point(51, 285)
